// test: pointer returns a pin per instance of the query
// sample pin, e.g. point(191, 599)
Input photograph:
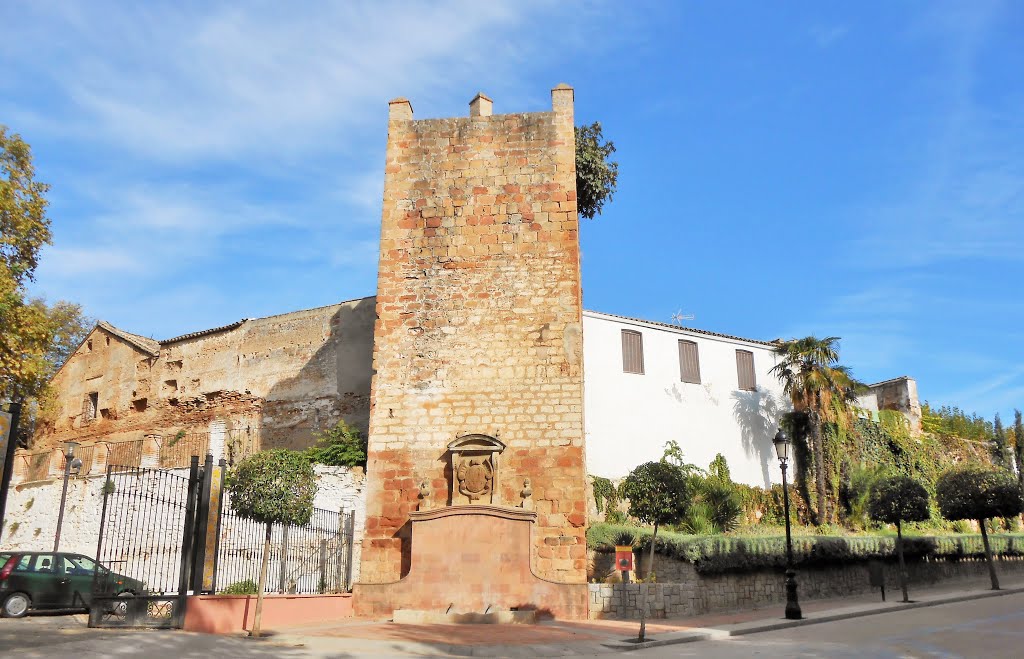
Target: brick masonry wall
point(479, 325)
point(284, 377)
point(682, 592)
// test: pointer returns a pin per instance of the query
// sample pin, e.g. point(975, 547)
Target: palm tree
point(820, 389)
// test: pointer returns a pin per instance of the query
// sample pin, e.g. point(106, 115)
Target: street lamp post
point(782, 445)
point(71, 464)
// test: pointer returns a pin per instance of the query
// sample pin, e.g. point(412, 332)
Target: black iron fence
point(145, 546)
point(165, 534)
point(315, 558)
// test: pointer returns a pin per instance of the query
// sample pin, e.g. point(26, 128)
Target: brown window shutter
point(632, 352)
point(689, 362)
point(745, 370)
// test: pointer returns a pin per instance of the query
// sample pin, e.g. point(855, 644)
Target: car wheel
point(16, 605)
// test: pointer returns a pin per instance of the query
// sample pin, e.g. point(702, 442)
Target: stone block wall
point(681, 591)
point(281, 378)
point(479, 324)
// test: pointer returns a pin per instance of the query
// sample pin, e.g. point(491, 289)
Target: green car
point(35, 580)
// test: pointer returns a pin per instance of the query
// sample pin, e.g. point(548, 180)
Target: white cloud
point(73, 262)
point(177, 82)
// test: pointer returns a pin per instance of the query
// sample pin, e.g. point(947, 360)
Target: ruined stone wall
point(479, 324)
point(283, 376)
point(900, 394)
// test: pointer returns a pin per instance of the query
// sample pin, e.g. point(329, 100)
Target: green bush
point(340, 446)
point(247, 587)
point(718, 554)
point(896, 499)
point(978, 492)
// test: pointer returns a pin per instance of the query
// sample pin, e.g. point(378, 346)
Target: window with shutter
point(745, 370)
point(632, 352)
point(689, 362)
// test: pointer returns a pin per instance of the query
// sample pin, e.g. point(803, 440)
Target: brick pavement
point(554, 637)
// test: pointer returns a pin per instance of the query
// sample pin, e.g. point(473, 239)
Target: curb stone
point(742, 629)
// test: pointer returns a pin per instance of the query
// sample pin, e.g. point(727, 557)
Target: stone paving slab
point(595, 637)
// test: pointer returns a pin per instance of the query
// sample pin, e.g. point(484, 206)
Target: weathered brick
point(478, 326)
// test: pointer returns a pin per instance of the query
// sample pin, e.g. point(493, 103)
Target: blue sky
point(786, 168)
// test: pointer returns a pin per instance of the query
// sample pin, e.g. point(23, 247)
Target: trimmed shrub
point(720, 554)
point(980, 493)
point(246, 587)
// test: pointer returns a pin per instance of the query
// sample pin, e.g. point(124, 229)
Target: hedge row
point(717, 554)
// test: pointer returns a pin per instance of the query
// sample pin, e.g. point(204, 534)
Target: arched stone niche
point(474, 460)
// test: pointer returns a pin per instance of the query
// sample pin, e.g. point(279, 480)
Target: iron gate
point(146, 542)
point(166, 533)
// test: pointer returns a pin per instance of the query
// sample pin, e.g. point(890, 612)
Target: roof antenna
point(678, 317)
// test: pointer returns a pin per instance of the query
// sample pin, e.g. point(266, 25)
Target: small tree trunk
point(264, 568)
point(903, 566)
point(650, 554)
point(988, 556)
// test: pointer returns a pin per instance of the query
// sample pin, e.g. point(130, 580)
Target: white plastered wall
point(630, 417)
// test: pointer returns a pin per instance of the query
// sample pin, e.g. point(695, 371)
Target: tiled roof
point(684, 329)
point(142, 343)
point(901, 377)
point(213, 330)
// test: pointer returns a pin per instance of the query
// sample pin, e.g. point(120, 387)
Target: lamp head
point(69, 449)
point(782, 444)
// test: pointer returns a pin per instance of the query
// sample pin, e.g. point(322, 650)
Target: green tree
point(27, 342)
point(24, 226)
point(895, 499)
point(340, 446)
point(821, 390)
point(658, 495)
point(272, 487)
point(716, 504)
point(596, 175)
point(1000, 446)
point(979, 493)
point(1018, 447)
point(66, 326)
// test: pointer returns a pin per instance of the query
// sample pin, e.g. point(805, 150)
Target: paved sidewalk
point(595, 637)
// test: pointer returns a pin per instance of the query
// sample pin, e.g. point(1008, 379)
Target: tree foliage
point(897, 498)
point(951, 421)
point(657, 493)
point(1000, 445)
point(821, 390)
point(716, 503)
point(273, 487)
point(24, 226)
point(978, 492)
point(35, 339)
point(340, 446)
point(596, 174)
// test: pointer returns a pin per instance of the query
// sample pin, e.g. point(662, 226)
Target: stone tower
point(479, 329)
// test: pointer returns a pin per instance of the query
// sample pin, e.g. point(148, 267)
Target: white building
point(646, 383)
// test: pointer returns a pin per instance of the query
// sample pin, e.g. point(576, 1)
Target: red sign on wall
point(624, 558)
